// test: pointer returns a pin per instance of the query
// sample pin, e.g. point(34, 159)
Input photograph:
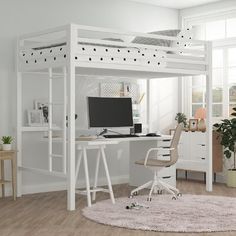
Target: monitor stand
point(106, 131)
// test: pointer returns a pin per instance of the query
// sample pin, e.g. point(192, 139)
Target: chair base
point(156, 187)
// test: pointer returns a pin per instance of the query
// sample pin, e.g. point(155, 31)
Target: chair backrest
point(174, 144)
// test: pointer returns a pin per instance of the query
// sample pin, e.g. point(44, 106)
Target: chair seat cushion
point(154, 162)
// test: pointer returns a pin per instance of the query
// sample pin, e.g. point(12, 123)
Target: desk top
point(107, 141)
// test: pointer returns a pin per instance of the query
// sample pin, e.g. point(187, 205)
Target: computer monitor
point(107, 112)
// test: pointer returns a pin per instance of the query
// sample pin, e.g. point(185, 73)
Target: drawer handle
point(203, 145)
point(166, 177)
point(203, 158)
point(166, 140)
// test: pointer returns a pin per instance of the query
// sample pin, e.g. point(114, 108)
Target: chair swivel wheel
point(159, 191)
point(135, 193)
point(174, 198)
point(179, 194)
point(149, 199)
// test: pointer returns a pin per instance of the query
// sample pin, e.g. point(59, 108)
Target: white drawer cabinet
point(192, 151)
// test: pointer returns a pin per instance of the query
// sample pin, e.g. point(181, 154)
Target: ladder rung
point(55, 129)
point(56, 155)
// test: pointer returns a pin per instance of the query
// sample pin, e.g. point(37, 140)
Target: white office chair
point(156, 164)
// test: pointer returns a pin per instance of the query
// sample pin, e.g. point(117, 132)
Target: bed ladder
point(50, 130)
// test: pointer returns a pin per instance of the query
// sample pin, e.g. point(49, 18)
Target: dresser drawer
point(171, 180)
point(167, 171)
point(198, 152)
point(164, 143)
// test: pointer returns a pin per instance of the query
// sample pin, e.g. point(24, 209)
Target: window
point(217, 82)
point(223, 67)
point(215, 30)
point(231, 78)
point(230, 27)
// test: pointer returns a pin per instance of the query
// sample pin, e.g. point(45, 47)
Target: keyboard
point(120, 136)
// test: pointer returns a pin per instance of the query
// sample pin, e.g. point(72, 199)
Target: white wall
point(19, 17)
point(207, 9)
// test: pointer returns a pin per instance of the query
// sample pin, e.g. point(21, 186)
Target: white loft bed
point(73, 50)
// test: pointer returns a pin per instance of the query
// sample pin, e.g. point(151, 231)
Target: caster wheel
point(179, 195)
point(174, 198)
point(135, 193)
point(159, 192)
point(149, 199)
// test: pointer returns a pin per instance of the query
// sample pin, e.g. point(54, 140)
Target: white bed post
point(209, 115)
point(19, 122)
point(50, 120)
point(148, 107)
point(64, 120)
point(71, 41)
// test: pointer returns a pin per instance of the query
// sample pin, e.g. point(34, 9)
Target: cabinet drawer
point(198, 137)
point(200, 157)
point(198, 151)
point(171, 180)
point(164, 143)
point(167, 171)
point(181, 149)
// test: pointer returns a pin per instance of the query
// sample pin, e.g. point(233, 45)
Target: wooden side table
point(8, 155)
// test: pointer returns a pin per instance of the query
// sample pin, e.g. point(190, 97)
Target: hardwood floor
point(45, 214)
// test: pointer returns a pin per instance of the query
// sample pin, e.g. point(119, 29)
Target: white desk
point(138, 146)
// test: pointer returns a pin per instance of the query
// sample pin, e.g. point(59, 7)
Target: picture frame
point(43, 106)
point(193, 124)
point(35, 118)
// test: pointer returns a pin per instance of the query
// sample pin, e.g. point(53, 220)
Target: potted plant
point(227, 130)
point(6, 146)
point(181, 118)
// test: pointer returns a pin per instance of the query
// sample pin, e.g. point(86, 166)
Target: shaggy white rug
point(190, 213)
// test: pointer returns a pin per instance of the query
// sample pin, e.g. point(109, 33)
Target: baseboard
point(59, 186)
point(220, 177)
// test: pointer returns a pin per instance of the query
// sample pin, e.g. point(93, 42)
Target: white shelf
point(38, 128)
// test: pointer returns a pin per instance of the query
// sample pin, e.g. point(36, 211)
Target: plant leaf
point(227, 153)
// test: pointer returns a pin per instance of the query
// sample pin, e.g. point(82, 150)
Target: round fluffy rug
point(190, 213)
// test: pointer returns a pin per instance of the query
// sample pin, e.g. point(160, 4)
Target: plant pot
point(231, 178)
point(6, 147)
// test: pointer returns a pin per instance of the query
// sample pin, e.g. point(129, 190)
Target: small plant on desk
point(181, 118)
point(7, 140)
